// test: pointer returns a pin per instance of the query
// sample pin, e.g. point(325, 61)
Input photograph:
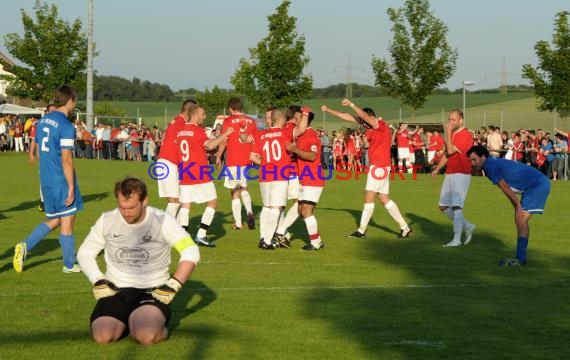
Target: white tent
point(18, 110)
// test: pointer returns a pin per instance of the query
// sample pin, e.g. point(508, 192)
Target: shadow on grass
point(26, 205)
point(450, 303)
point(181, 306)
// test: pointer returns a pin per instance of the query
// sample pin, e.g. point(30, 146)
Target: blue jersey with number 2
point(54, 133)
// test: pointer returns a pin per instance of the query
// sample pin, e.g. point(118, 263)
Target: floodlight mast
point(465, 84)
point(89, 100)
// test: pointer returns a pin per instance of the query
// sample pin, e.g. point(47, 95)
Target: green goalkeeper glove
point(104, 288)
point(166, 292)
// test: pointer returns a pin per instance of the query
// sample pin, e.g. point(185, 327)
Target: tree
point(274, 73)
point(214, 101)
point(551, 78)
point(422, 60)
point(53, 50)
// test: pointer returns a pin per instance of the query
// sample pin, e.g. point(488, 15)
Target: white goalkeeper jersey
point(136, 255)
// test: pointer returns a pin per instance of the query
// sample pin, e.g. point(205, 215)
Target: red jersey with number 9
point(275, 160)
point(192, 158)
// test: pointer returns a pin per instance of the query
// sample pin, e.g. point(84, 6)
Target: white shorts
point(431, 155)
point(310, 193)
point(454, 190)
point(412, 158)
point(237, 179)
point(293, 189)
point(169, 186)
point(198, 193)
point(273, 193)
point(378, 179)
point(403, 153)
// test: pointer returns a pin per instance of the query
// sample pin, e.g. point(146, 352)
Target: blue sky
point(187, 43)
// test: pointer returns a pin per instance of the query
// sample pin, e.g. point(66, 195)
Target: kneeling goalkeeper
point(134, 293)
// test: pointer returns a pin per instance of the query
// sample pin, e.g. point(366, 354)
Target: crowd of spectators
point(341, 149)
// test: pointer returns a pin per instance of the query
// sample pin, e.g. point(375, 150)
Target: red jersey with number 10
point(275, 160)
point(191, 139)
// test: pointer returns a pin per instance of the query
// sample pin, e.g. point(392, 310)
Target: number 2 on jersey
point(45, 139)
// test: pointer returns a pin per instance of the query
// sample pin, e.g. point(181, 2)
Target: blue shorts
point(533, 200)
point(54, 202)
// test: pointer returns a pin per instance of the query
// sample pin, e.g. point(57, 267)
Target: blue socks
point(67, 243)
point(36, 236)
point(522, 244)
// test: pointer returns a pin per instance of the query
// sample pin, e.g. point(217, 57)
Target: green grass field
point(518, 111)
point(377, 298)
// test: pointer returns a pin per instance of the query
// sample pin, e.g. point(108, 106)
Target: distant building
point(4, 83)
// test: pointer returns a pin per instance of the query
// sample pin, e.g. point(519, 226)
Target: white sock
point(236, 211)
point(312, 228)
point(263, 221)
point(172, 209)
point(395, 213)
point(367, 212)
point(206, 221)
point(246, 198)
point(458, 220)
point(183, 216)
point(292, 215)
point(271, 225)
point(449, 213)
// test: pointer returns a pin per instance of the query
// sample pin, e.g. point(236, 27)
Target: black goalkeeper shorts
point(121, 305)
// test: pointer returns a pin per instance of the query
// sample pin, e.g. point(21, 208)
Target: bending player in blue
point(513, 177)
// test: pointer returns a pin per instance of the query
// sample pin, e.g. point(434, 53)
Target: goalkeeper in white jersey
point(134, 293)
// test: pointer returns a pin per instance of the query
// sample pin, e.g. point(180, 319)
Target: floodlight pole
point(465, 84)
point(90, 65)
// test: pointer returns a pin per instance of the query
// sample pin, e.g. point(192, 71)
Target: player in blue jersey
point(512, 178)
point(55, 137)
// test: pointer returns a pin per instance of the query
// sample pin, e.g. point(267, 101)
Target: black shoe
point(41, 207)
point(264, 246)
point(407, 232)
point(356, 235)
point(186, 229)
point(250, 221)
point(310, 247)
point(281, 241)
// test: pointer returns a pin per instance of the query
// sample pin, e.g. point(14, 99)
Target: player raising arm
point(378, 179)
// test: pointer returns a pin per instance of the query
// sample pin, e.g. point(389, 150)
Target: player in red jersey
point(270, 152)
point(168, 187)
point(237, 158)
point(378, 179)
point(458, 140)
point(309, 170)
point(196, 185)
point(403, 143)
point(293, 116)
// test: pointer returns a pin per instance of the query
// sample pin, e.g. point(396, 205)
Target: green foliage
point(113, 88)
point(215, 101)
point(422, 59)
point(274, 73)
point(551, 78)
point(108, 109)
point(54, 52)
